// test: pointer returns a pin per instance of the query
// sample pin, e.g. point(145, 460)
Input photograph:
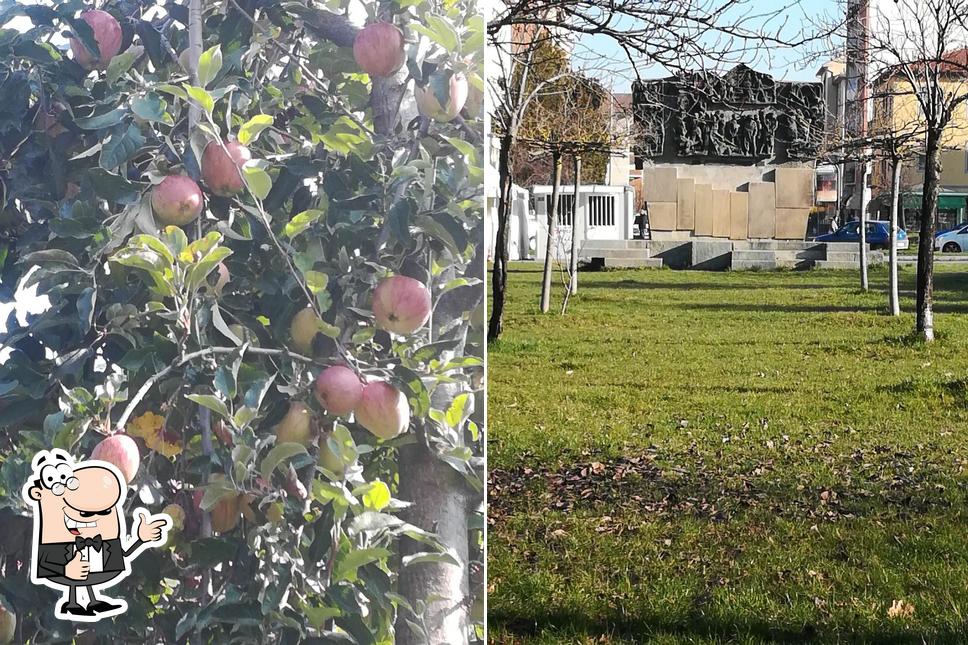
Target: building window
point(566, 208)
point(850, 176)
point(601, 210)
point(920, 163)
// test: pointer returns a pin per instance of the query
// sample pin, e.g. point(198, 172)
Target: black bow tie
point(83, 543)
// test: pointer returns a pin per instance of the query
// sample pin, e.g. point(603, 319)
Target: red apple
point(339, 390)
point(383, 410)
point(401, 304)
point(222, 172)
point(378, 49)
point(107, 34)
point(122, 451)
point(177, 200)
point(442, 97)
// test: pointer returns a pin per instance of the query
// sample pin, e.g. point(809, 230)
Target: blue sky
point(788, 64)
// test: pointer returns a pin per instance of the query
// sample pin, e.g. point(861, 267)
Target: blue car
point(878, 235)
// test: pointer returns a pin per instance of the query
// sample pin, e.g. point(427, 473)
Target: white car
point(953, 241)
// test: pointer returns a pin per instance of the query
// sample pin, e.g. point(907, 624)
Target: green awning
point(945, 202)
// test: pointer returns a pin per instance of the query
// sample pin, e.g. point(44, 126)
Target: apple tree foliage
point(180, 336)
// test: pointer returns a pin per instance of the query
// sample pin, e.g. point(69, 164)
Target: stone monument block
point(762, 210)
point(662, 216)
point(795, 187)
point(704, 210)
point(686, 205)
point(791, 223)
point(738, 216)
point(659, 185)
point(720, 213)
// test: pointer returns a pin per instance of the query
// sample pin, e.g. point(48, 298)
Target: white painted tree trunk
point(864, 284)
point(552, 233)
point(576, 224)
point(894, 296)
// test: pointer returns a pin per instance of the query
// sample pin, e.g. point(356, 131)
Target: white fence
point(604, 213)
point(521, 227)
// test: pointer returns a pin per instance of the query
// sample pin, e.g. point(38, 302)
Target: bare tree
point(672, 34)
point(920, 49)
point(523, 52)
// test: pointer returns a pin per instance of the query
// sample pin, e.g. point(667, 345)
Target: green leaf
point(258, 181)
point(459, 410)
point(209, 65)
point(440, 558)
point(348, 565)
point(301, 221)
point(376, 497)
point(175, 240)
point(151, 107)
point(280, 453)
point(464, 147)
point(174, 90)
point(121, 63)
point(440, 30)
point(156, 245)
point(345, 137)
point(200, 96)
point(115, 188)
point(318, 616)
point(253, 128)
point(215, 492)
point(121, 147)
point(316, 281)
point(225, 382)
point(213, 403)
point(199, 272)
point(327, 329)
point(99, 121)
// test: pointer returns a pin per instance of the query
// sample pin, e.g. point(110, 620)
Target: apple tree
point(258, 227)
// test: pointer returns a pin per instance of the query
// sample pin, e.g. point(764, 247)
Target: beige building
point(896, 110)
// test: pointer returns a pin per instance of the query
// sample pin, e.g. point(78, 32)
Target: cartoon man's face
point(72, 503)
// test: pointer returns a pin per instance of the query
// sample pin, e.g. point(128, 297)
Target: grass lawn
point(750, 457)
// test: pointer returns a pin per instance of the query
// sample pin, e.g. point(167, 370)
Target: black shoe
point(75, 609)
point(101, 606)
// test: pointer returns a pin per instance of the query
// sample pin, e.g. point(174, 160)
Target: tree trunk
point(576, 222)
point(440, 505)
point(894, 296)
point(441, 499)
point(195, 21)
point(864, 284)
point(929, 207)
point(499, 274)
point(552, 231)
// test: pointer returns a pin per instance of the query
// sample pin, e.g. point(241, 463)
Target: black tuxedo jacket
point(53, 557)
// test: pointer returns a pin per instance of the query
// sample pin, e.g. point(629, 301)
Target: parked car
point(878, 235)
point(952, 241)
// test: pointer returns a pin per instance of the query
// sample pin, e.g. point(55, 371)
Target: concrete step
point(873, 257)
point(783, 255)
point(843, 256)
point(771, 264)
point(781, 245)
point(836, 264)
point(615, 244)
point(597, 252)
point(629, 263)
